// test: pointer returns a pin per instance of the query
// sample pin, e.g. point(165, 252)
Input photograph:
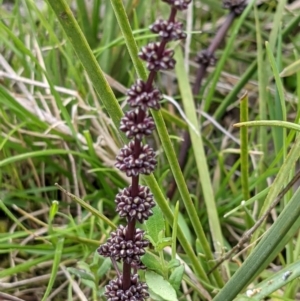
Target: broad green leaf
point(152, 262)
point(174, 263)
point(88, 283)
point(155, 224)
point(176, 277)
point(161, 287)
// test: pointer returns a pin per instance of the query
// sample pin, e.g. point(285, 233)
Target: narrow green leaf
point(22, 267)
point(81, 274)
point(87, 59)
point(87, 207)
point(276, 281)
point(174, 233)
point(270, 123)
point(263, 74)
point(104, 268)
point(202, 167)
point(55, 265)
point(12, 216)
point(128, 36)
point(278, 81)
point(226, 53)
point(277, 21)
point(244, 153)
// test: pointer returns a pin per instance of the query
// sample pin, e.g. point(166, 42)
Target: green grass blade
point(270, 123)
point(291, 69)
point(262, 84)
point(244, 147)
point(56, 261)
point(280, 108)
point(275, 32)
point(275, 282)
point(202, 167)
point(47, 152)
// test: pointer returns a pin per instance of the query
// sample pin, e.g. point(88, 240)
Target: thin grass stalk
point(280, 107)
point(174, 229)
point(244, 153)
point(244, 147)
point(262, 84)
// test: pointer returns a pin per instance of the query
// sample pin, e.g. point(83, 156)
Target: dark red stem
point(137, 150)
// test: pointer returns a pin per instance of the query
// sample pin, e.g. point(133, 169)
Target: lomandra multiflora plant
point(127, 243)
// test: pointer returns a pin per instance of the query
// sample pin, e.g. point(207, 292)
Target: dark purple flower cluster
point(157, 60)
point(133, 127)
point(143, 97)
point(126, 244)
point(168, 30)
point(119, 248)
point(134, 164)
point(206, 58)
point(137, 291)
point(138, 207)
